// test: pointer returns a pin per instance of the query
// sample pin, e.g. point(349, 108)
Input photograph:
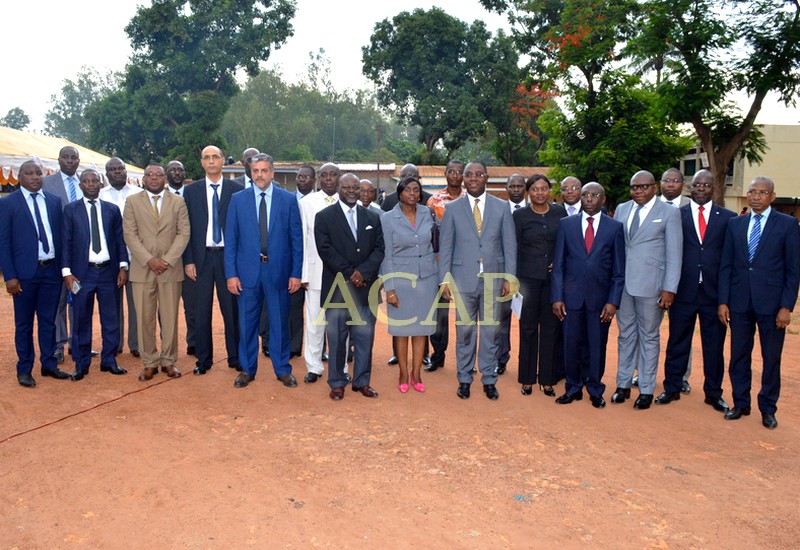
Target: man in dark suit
point(478, 246)
point(587, 281)
point(30, 254)
point(704, 225)
point(263, 266)
point(759, 275)
point(207, 202)
point(350, 242)
point(64, 185)
point(96, 258)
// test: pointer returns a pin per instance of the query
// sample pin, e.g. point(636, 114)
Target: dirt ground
point(111, 462)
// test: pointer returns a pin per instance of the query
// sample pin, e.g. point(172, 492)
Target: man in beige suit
point(156, 229)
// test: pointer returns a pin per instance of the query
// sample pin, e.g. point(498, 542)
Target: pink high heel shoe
point(403, 388)
point(419, 386)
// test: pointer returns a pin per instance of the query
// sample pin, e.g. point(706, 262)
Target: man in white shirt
point(571, 195)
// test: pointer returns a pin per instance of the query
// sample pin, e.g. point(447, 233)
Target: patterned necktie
point(351, 220)
point(476, 213)
point(330, 200)
point(263, 223)
point(589, 237)
point(755, 236)
point(40, 225)
point(95, 228)
point(73, 193)
point(216, 230)
point(701, 223)
point(635, 221)
point(571, 210)
point(155, 206)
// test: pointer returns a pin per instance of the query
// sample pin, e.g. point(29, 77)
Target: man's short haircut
point(262, 157)
point(308, 167)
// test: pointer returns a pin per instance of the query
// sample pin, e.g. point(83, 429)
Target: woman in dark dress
point(539, 329)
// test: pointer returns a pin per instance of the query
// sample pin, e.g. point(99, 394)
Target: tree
point(67, 115)
point(435, 72)
point(15, 118)
point(517, 137)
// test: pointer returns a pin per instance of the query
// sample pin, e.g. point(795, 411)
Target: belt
point(215, 248)
point(264, 259)
point(101, 265)
point(46, 262)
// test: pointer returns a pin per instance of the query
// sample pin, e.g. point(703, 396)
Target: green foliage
point(15, 118)
point(66, 117)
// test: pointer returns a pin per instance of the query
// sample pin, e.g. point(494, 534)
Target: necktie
point(589, 237)
point(635, 221)
point(755, 236)
point(155, 206)
point(516, 207)
point(73, 194)
point(701, 223)
point(216, 231)
point(571, 210)
point(95, 228)
point(330, 200)
point(40, 225)
point(476, 213)
point(262, 223)
point(351, 221)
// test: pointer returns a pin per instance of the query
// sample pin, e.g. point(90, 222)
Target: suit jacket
point(653, 255)
point(391, 200)
point(771, 281)
point(408, 249)
point(701, 257)
point(461, 249)
point(147, 239)
point(341, 253)
point(284, 244)
point(310, 206)
point(78, 236)
point(588, 279)
point(54, 184)
point(19, 240)
point(197, 206)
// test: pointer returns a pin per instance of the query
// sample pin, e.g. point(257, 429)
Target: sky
point(69, 35)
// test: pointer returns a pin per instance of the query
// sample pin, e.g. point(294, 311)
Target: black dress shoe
point(265, 351)
point(620, 395)
point(491, 391)
point(200, 370)
point(718, 403)
point(769, 421)
point(348, 377)
point(77, 375)
point(527, 390)
point(643, 401)
point(568, 398)
point(463, 391)
point(189, 351)
point(736, 413)
point(324, 357)
point(93, 353)
point(26, 380)
point(392, 360)
point(56, 373)
point(311, 377)
point(597, 402)
point(242, 380)
point(501, 368)
point(59, 355)
point(113, 369)
point(548, 390)
point(434, 366)
point(685, 387)
point(635, 381)
point(668, 397)
point(135, 352)
point(288, 380)
point(366, 391)
point(426, 360)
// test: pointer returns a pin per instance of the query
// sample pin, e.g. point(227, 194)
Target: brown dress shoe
point(171, 370)
point(242, 380)
point(366, 391)
point(337, 394)
point(147, 374)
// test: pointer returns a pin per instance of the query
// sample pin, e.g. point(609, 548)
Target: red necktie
point(589, 234)
point(701, 223)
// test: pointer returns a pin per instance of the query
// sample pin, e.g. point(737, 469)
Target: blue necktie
point(755, 236)
point(40, 225)
point(216, 231)
point(73, 194)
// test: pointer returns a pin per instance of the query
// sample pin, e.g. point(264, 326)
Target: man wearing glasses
point(704, 224)
point(571, 195)
point(759, 275)
point(653, 248)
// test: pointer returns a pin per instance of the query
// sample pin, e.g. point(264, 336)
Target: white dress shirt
point(210, 210)
point(40, 200)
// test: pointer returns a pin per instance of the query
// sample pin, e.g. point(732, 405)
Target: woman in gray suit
point(412, 277)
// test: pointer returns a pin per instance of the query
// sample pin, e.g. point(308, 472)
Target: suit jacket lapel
point(27, 211)
point(471, 216)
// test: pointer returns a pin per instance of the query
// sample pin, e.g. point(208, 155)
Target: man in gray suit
point(247, 156)
point(65, 185)
point(654, 246)
point(478, 250)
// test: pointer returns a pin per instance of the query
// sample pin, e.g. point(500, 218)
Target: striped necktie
point(755, 236)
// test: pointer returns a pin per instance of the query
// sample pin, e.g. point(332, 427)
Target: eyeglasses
point(641, 187)
point(758, 192)
point(673, 180)
point(702, 185)
point(452, 172)
point(571, 188)
point(468, 175)
point(592, 195)
point(211, 157)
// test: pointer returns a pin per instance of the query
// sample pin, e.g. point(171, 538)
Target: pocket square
point(368, 228)
point(657, 221)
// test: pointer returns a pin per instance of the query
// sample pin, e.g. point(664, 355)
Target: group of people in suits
point(256, 246)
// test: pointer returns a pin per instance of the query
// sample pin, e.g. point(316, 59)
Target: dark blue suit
point(586, 282)
point(754, 292)
point(41, 284)
point(264, 280)
point(695, 299)
point(95, 281)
